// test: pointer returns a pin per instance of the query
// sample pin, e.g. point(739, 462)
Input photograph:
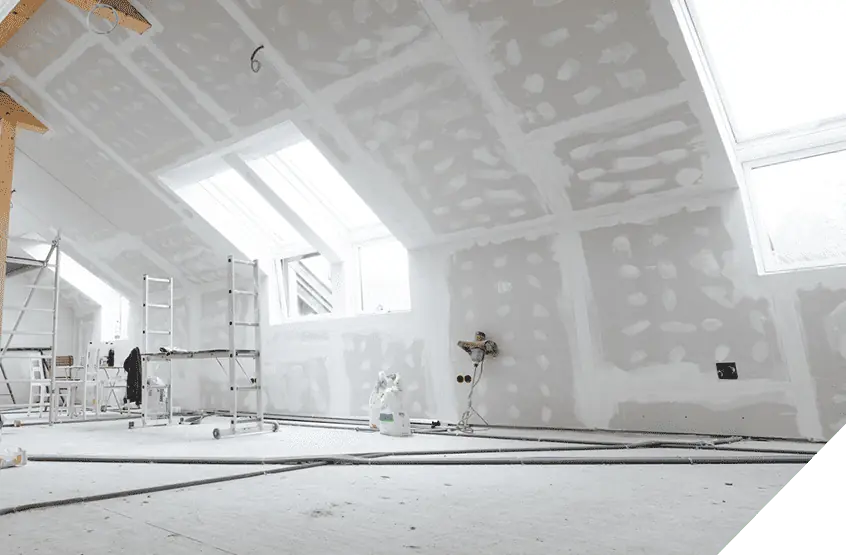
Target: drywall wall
point(553, 167)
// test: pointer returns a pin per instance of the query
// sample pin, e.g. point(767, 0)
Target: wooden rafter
point(16, 19)
point(129, 17)
point(20, 116)
point(12, 116)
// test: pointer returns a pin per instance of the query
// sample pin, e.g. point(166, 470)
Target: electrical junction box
point(727, 370)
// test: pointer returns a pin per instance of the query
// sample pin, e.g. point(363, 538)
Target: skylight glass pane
point(384, 277)
point(799, 209)
point(300, 174)
point(240, 213)
point(776, 62)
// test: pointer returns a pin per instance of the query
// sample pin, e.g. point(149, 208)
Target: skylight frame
point(746, 154)
point(246, 219)
point(691, 18)
point(296, 185)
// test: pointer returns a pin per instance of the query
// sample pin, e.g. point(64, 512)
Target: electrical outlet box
point(727, 370)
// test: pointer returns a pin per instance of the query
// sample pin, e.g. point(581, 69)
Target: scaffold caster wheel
point(131, 425)
point(274, 426)
point(216, 433)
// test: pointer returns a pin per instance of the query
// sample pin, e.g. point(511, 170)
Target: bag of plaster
point(11, 456)
point(393, 420)
point(376, 400)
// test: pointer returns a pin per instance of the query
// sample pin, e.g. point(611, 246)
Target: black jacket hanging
point(132, 365)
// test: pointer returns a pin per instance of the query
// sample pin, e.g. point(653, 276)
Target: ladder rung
point(45, 287)
point(25, 332)
point(246, 324)
point(24, 357)
point(27, 308)
point(242, 262)
point(157, 280)
point(246, 421)
point(253, 387)
point(156, 332)
point(151, 305)
point(243, 292)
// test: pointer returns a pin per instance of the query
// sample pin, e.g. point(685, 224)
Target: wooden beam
point(16, 19)
point(7, 167)
point(128, 16)
point(13, 112)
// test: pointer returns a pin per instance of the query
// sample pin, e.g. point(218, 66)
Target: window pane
point(800, 209)
point(240, 214)
point(303, 177)
point(384, 277)
point(776, 62)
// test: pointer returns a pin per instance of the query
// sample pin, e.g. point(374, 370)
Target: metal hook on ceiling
point(255, 65)
point(96, 7)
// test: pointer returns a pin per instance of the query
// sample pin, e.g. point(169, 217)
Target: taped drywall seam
point(61, 63)
point(788, 327)
point(593, 407)
point(203, 99)
point(382, 196)
point(539, 164)
point(197, 225)
point(149, 84)
point(650, 206)
point(418, 53)
point(638, 108)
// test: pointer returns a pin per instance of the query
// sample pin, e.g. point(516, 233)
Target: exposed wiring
point(383, 459)
point(463, 424)
point(92, 11)
point(255, 64)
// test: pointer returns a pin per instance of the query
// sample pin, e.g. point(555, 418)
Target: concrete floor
point(384, 509)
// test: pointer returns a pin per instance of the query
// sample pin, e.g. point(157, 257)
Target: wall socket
point(727, 370)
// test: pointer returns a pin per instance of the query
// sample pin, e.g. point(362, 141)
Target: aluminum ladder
point(7, 351)
point(150, 417)
point(247, 424)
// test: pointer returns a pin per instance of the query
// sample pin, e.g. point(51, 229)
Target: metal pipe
point(54, 397)
point(357, 458)
point(152, 489)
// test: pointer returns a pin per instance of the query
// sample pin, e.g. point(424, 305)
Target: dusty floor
point(379, 509)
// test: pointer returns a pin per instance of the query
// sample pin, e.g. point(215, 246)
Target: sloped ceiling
point(449, 117)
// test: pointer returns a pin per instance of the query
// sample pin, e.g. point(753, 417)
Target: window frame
point(787, 145)
point(360, 278)
point(318, 223)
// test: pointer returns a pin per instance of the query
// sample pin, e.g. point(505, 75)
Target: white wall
point(623, 337)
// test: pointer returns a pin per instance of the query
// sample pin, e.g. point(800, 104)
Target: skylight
point(114, 307)
point(384, 277)
point(305, 179)
point(775, 67)
point(240, 214)
point(776, 63)
point(799, 207)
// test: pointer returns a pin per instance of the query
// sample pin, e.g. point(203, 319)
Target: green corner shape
point(808, 516)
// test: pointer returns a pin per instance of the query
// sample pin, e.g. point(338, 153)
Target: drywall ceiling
point(451, 118)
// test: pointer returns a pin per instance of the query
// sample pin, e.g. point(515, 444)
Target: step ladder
point(154, 339)
point(237, 293)
point(7, 352)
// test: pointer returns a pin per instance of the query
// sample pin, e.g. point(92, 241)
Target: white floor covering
point(380, 509)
